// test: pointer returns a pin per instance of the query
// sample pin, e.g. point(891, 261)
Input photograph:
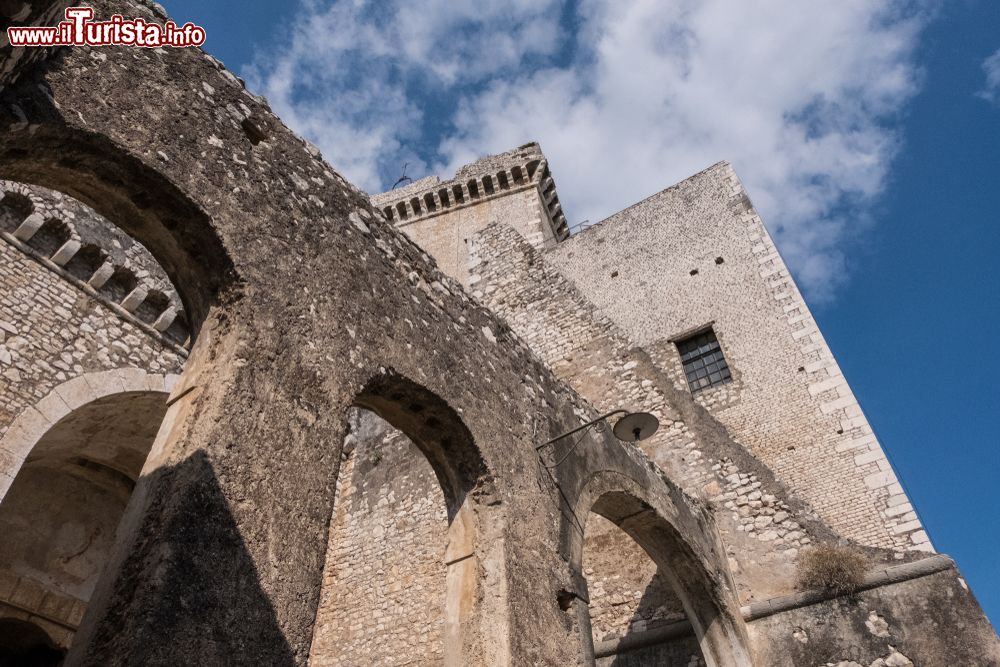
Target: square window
point(704, 363)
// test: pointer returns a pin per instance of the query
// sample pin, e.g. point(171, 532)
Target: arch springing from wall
point(75, 458)
point(421, 455)
point(693, 565)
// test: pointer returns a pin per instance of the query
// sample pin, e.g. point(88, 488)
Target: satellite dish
point(636, 426)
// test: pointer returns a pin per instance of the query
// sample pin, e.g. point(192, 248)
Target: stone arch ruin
point(263, 298)
point(392, 417)
point(79, 453)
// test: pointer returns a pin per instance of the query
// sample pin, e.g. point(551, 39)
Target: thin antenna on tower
point(403, 178)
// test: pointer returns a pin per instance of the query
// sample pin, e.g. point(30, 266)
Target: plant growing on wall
point(833, 568)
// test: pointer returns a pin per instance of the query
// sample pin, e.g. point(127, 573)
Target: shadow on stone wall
point(682, 651)
point(188, 591)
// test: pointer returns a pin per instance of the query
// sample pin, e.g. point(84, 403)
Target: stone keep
point(250, 415)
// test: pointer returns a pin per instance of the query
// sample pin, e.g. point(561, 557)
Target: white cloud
point(802, 96)
point(352, 73)
point(991, 66)
point(799, 96)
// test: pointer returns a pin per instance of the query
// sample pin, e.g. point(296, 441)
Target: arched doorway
point(25, 644)
point(401, 570)
point(59, 516)
point(667, 577)
point(384, 582)
point(636, 618)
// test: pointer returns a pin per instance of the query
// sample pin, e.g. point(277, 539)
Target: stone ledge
point(884, 576)
point(92, 292)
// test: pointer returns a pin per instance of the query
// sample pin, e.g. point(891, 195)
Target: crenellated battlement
point(385, 446)
point(488, 178)
point(83, 248)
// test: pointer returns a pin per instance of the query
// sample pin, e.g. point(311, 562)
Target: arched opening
point(400, 577)
point(636, 618)
point(51, 236)
point(444, 197)
point(85, 263)
point(59, 516)
point(152, 306)
point(132, 196)
point(25, 644)
point(119, 285)
point(179, 330)
point(532, 167)
point(658, 594)
point(69, 462)
point(14, 208)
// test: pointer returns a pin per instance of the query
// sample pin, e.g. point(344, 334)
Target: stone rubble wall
point(383, 598)
point(310, 297)
point(697, 254)
point(764, 527)
point(52, 332)
point(626, 593)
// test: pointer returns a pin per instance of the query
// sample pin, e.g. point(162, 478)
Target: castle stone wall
point(447, 238)
point(306, 300)
point(64, 344)
point(52, 332)
point(697, 254)
point(763, 519)
point(383, 598)
point(763, 526)
point(627, 595)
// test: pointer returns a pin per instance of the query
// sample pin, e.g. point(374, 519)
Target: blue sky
point(869, 140)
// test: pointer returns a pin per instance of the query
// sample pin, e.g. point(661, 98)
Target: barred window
point(704, 364)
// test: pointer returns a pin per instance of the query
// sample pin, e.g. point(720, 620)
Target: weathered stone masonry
point(54, 330)
point(245, 536)
point(809, 433)
point(790, 403)
point(305, 302)
point(390, 520)
point(62, 344)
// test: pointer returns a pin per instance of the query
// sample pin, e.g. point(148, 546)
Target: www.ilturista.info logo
point(79, 30)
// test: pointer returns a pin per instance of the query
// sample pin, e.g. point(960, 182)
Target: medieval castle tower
point(251, 415)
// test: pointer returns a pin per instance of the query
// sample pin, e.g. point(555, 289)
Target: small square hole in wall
point(719, 260)
point(254, 131)
point(694, 272)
